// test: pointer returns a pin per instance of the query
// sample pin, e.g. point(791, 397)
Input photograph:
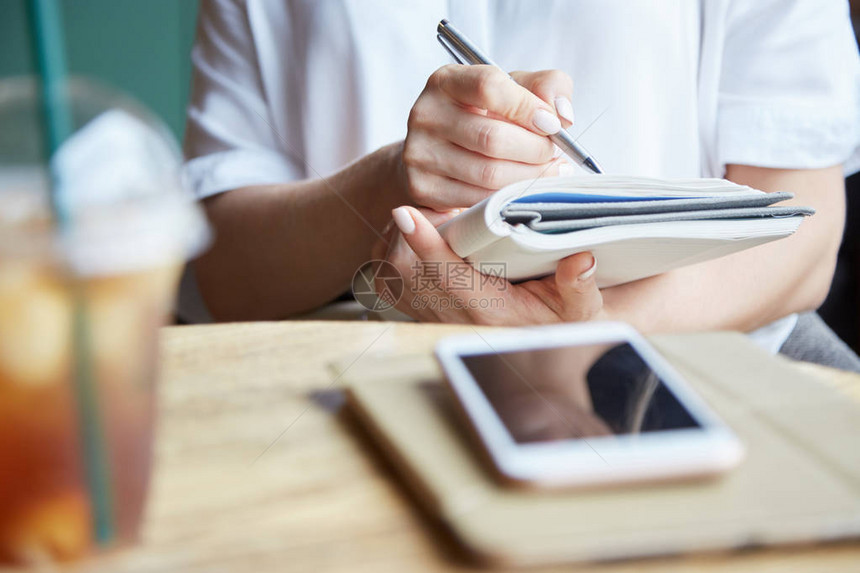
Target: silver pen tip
point(592, 165)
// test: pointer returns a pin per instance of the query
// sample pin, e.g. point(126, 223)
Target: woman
point(308, 125)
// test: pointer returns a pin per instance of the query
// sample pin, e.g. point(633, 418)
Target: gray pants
point(813, 341)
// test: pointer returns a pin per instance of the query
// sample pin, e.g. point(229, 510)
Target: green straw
point(46, 25)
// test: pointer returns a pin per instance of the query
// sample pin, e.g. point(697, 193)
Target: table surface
point(258, 468)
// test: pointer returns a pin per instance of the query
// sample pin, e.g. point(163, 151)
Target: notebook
point(635, 226)
point(800, 481)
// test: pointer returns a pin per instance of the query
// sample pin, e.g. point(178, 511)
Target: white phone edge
point(708, 450)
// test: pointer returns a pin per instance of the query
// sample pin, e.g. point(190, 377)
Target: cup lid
point(117, 176)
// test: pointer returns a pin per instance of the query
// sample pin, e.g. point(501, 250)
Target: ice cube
point(35, 325)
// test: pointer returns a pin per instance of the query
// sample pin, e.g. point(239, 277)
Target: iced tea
point(45, 506)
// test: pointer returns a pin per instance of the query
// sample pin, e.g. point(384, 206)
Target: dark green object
point(141, 47)
point(47, 33)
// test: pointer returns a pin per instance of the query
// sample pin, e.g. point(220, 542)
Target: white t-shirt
point(288, 90)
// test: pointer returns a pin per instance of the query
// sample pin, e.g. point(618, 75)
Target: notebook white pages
point(636, 227)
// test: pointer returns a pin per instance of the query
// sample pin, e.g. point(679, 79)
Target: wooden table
point(259, 469)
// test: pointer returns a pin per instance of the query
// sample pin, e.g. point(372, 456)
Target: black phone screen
point(573, 392)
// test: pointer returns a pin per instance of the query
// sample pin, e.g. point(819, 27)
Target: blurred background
point(142, 47)
point(841, 310)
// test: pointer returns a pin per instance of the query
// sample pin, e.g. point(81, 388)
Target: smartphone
point(583, 405)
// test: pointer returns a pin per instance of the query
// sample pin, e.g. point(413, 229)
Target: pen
point(465, 52)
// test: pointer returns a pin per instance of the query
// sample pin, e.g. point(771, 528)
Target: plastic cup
point(83, 305)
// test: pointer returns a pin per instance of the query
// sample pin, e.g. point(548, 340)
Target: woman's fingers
point(577, 287)
point(423, 238)
point(448, 271)
point(441, 286)
point(442, 178)
point(489, 88)
point(424, 295)
point(440, 193)
point(552, 86)
point(474, 129)
point(478, 170)
point(438, 218)
point(494, 138)
point(440, 283)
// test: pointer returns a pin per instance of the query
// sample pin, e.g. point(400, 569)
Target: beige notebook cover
point(800, 481)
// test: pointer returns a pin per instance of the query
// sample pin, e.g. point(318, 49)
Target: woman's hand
point(473, 130)
point(440, 287)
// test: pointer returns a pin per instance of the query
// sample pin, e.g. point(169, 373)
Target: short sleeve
point(229, 140)
point(789, 86)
